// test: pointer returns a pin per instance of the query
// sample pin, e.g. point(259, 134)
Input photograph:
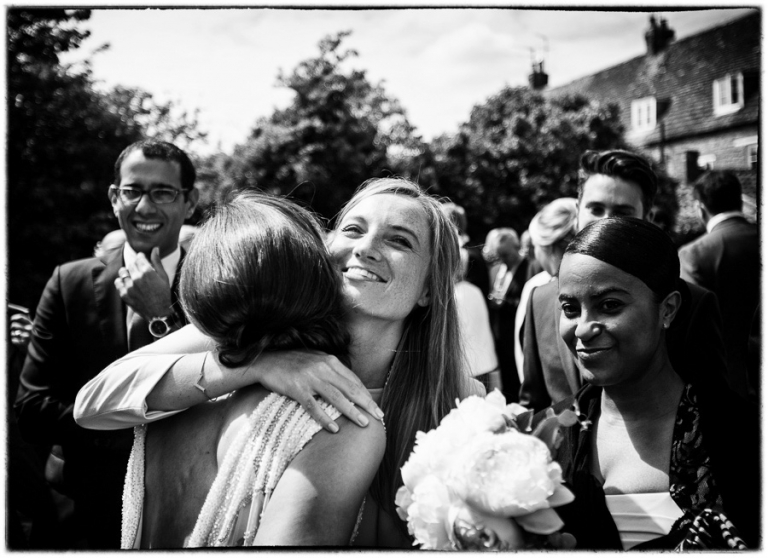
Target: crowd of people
point(263, 384)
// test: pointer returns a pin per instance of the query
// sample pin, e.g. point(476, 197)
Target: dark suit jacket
point(502, 317)
point(727, 262)
point(550, 374)
point(477, 270)
point(79, 329)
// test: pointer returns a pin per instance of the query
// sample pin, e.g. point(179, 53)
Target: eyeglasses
point(161, 196)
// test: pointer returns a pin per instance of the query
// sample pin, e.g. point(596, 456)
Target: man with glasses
point(96, 310)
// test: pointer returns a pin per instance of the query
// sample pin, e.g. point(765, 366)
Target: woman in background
point(660, 460)
point(475, 325)
point(550, 230)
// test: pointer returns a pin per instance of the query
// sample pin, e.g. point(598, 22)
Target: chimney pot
point(658, 37)
point(538, 79)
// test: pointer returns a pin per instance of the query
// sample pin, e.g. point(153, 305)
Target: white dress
point(541, 278)
point(475, 329)
point(276, 432)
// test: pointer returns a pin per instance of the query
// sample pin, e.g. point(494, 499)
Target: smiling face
point(611, 321)
point(147, 224)
point(382, 247)
point(607, 196)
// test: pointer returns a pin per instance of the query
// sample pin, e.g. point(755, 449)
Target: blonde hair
point(555, 223)
point(427, 375)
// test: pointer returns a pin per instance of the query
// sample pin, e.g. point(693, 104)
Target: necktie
point(138, 332)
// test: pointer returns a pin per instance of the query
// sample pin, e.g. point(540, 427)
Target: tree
point(163, 121)
point(338, 132)
point(518, 151)
point(63, 139)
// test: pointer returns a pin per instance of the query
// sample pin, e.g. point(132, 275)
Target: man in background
point(94, 311)
point(726, 260)
point(509, 273)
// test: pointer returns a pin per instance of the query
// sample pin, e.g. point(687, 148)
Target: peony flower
point(403, 501)
point(428, 512)
point(475, 481)
point(478, 414)
point(509, 474)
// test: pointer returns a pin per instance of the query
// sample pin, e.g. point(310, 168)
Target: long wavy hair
point(427, 375)
point(258, 277)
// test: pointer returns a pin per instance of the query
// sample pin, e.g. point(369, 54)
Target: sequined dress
point(277, 430)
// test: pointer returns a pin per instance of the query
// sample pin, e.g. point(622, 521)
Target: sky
point(438, 62)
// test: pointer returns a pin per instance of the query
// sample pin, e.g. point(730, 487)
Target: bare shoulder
point(318, 497)
point(372, 438)
point(351, 455)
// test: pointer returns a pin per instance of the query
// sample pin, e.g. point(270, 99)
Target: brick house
point(690, 104)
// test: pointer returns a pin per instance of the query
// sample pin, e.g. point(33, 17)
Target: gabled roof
point(681, 77)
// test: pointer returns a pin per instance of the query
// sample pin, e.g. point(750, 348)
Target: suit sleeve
point(533, 391)
point(43, 404)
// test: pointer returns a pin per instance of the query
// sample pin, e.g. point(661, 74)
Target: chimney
point(538, 79)
point(658, 37)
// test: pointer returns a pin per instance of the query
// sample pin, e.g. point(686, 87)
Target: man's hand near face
point(145, 287)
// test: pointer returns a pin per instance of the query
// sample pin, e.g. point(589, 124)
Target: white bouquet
point(477, 482)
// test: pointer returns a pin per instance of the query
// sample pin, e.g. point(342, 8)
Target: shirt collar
point(170, 262)
point(720, 217)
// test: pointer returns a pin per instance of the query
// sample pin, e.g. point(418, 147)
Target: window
point(752, 156)
point(707, 162)
point(728, 93)
point(644, 114)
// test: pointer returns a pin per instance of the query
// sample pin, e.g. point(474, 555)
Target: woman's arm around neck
point(159, 380)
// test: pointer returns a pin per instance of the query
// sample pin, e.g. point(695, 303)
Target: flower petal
point(561, 496)
point(541, 522)
point(516, 409)
point(402, 501)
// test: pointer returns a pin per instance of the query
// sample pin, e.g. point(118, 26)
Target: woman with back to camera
point(398, 257)
point(655, 450)
point(550, 231)
point(248, 284)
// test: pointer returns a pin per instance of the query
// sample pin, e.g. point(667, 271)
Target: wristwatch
point(160, 327)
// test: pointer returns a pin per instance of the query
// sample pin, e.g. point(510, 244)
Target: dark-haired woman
point(659, 460)
point(397, 256)
point(252, 468)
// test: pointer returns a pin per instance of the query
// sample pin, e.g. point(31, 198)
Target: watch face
point(159, 327)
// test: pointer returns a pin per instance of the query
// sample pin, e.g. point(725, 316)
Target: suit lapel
point(109, 305)
point(570, 369)
point(515, 287)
